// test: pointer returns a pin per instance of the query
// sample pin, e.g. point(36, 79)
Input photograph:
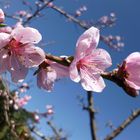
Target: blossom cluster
point(19, 53)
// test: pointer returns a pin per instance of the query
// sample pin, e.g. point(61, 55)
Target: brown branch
point(60, 60)
point(70, 17)
point(91, 112)
point(127, 122)
point(116, 78)
point(56, 132)
point(39, 134)
point(75, 20)
point(6, 106)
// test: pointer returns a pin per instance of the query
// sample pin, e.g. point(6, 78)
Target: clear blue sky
point(113, 104)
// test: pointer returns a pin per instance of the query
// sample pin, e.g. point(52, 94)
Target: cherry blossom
point(2, 17)
point(22, 101)
point(49, 73)
point(89, 62)
point(37, 118)
point(50, 110)
point(130, 70)
point(6, 29)
point(18, 52)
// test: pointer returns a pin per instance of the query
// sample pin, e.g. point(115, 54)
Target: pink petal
point(89, 38)
point(99, 59)
point(26, 35)
point(91, 82)
point(62, 71)
point(17, 70)
point(4, 39)
point(31, 56)
point(133, 83)
point(46, 79)
point(40, 78)
point(74, 75)
point(133, 70)
point(6, 29)
point(2, 17)
point(4, 60)
point(133, 57)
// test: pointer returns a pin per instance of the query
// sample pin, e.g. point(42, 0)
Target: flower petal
point(62, 71)
point(91, 82)
point(133, 70)
point(4, 60)
point(74, 75)
point(46, 79)
point(89, 38)
point(26, 35)
point(133, 57)
point(2, 16)
point(99, 59)
point(31, 56)
point(134, 83)
point(4, 39)
point(17, 70)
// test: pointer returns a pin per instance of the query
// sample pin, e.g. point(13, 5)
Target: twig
point(39, 134)
point(13, 17)
point(114, 77)
point(75, 20)
point(56, 132)
point(91, 112)
point(127, 122)
point(6, 114)
point(70, 17)
point(37, 11)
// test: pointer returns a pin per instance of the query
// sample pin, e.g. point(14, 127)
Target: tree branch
point(70, 17)
point(56, 132)
point(39, 134)
point(75, 20)
point(37, 11)
point(91, 112)
point(127, 122)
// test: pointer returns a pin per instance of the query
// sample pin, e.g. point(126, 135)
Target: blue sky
point(112, 104)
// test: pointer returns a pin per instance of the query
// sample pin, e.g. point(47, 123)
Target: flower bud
point(2, 17)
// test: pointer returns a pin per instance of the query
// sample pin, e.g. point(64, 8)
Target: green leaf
point(2, 25)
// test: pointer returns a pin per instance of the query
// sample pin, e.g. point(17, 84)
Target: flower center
point(13, 46)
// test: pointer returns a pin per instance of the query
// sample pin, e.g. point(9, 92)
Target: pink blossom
point(36, 117)
point(50, 110)
point(132, 70)
point(46, 78)
point(6, 29)
point(21, 13)
point(78, 13)
point(2, 17)
point(50, 73)
point(89, 62)
point(18, 52)
point(50, 4)
point(22, 101)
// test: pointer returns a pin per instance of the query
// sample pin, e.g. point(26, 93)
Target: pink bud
point(36, 117)
point(132, 68)
point(49, 109)
point(78, 13)
point(50, 4)
point(129, 73)
point(2, 17)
